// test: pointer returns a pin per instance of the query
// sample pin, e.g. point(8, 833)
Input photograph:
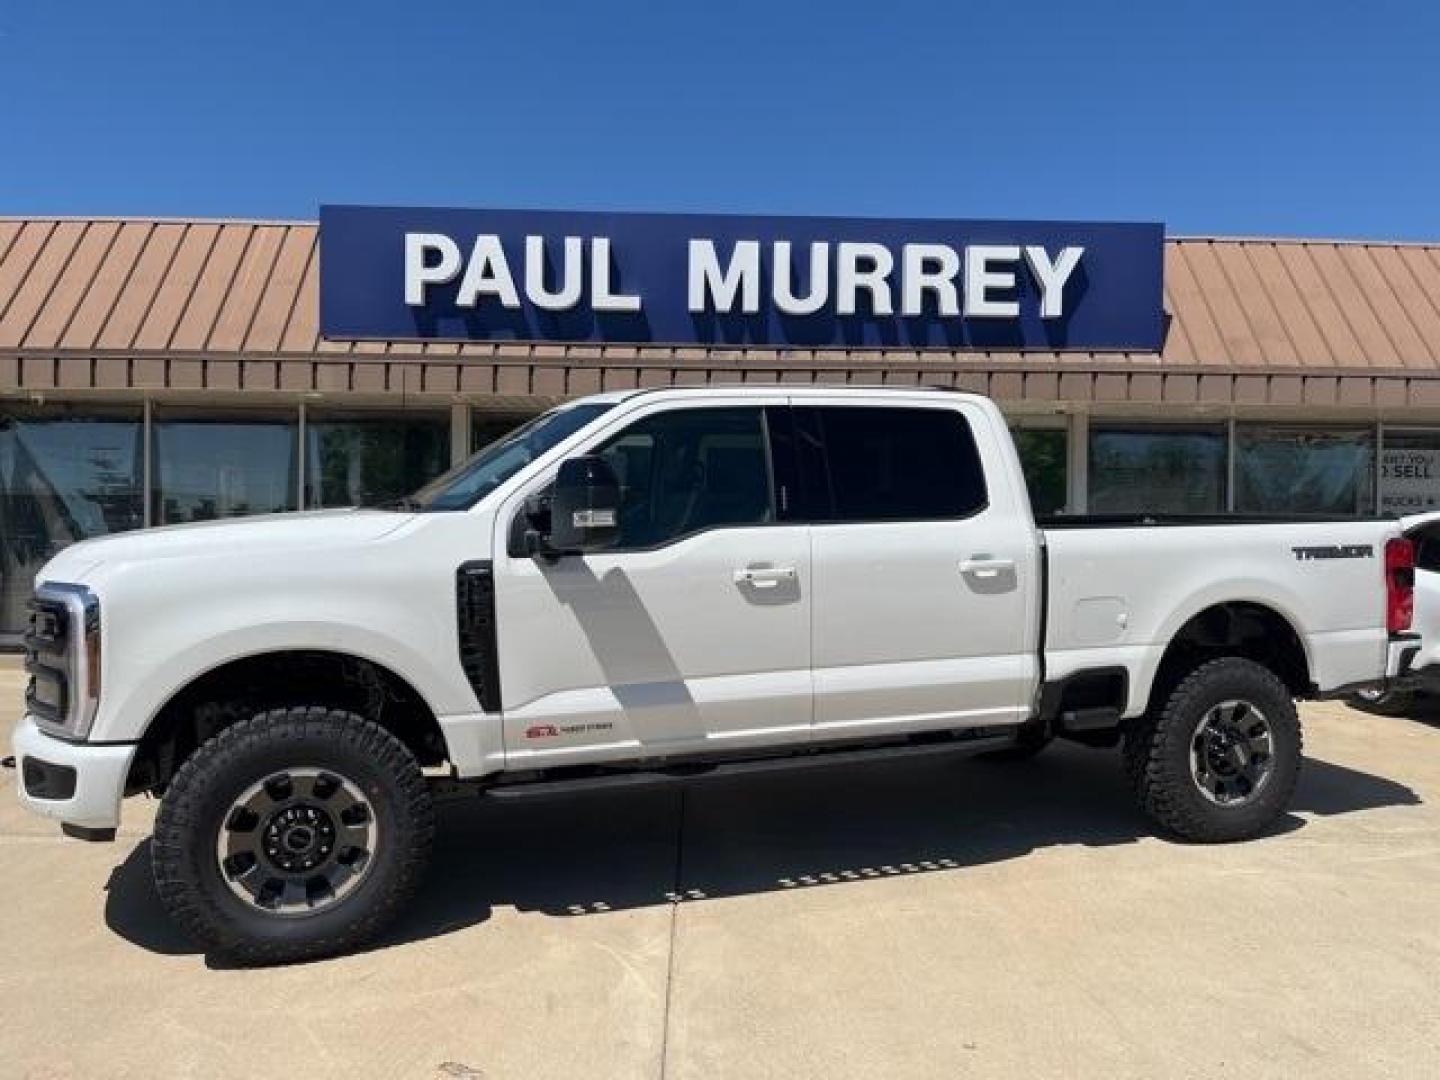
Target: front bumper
point(77, 784)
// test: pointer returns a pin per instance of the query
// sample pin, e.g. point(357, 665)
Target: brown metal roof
point(237, 301)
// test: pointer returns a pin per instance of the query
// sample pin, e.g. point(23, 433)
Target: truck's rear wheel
point(294, 834)
point(1220, 757)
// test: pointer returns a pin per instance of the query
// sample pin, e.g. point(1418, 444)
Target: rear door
point(925, 565)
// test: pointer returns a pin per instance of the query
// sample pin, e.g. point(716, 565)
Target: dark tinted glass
point(893, 464)
point(62, 478)
point(487, 427)
point(1042, 457)
point(362, 461)
point(686, 471)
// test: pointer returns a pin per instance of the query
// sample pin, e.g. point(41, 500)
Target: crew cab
point(662, 586)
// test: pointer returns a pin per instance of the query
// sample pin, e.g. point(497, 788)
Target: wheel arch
point(244, 685)
point(1252, 629)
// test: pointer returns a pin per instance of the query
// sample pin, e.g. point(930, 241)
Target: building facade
point(154, 372)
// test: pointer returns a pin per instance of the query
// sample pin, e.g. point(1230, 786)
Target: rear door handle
point(986, 568)
point(764, 577)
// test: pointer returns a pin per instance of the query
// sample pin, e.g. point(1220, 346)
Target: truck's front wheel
point(293, 834)
point(1219, 758)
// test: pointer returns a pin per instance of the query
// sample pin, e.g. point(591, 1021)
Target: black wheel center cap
point(1225, 752)
point(299, 838)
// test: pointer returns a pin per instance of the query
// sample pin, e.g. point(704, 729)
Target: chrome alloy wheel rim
point(1232, 753)
point(297, 841)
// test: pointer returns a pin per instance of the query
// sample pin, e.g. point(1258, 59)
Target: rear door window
point(885, 463)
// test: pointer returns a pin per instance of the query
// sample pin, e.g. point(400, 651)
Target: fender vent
point(475, 612)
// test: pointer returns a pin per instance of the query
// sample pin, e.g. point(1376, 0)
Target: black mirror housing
point(584, 506)
point(530, 527)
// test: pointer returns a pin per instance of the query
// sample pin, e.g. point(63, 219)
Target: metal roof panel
point(225, 288)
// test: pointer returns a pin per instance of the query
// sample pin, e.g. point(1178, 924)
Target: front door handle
point(764, 577)
point(982, 567)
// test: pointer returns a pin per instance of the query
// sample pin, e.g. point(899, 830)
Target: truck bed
point(1119, 587)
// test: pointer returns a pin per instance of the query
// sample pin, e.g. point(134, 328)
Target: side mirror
point(584, 506)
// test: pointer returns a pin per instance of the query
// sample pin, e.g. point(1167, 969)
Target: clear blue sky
point(1286, 117)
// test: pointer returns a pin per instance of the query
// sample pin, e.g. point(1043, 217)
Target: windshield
point(469, 482)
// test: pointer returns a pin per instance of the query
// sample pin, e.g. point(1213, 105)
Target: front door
point(690, 634)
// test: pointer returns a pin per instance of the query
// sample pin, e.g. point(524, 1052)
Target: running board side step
point(695, 772)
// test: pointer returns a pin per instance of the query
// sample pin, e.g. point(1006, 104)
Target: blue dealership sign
point(702, 279)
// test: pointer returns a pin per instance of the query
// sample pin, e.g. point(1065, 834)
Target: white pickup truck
point(660, 586)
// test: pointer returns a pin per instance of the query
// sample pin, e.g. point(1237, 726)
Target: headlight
point(62, 655)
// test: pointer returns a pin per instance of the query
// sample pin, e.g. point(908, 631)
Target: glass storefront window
point(219, 466)
point(488, 468)
point(1281, 469)
point(63, 477)
point(1409, 471)
point(1043, 458)
point(360, 460)
point(486, 427)
point(1152, 469)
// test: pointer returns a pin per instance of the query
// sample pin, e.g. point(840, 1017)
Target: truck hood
point(266, 534)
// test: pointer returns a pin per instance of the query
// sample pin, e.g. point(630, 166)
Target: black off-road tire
point(1158, 748)
point(199, 799)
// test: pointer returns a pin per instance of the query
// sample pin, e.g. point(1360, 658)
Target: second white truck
point(655, 587)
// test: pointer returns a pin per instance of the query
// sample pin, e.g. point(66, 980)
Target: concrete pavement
point(909, 920)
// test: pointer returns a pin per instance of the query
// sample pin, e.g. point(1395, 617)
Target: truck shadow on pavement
point(583, 854)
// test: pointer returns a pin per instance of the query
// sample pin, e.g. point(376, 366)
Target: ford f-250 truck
point(659, 586)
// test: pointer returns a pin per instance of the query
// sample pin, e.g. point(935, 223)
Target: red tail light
point(1399, 585)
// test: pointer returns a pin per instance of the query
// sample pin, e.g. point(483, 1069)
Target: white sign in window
point(1410, 472)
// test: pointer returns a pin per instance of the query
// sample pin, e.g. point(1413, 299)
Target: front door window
point(690, 470)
